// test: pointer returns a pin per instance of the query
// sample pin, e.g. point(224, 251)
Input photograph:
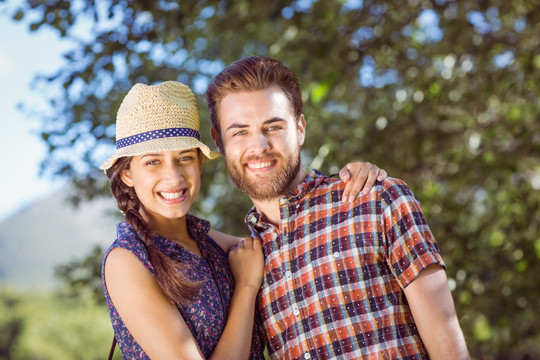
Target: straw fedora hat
point(154, 118)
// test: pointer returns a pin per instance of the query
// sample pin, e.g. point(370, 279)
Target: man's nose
point(259, 143)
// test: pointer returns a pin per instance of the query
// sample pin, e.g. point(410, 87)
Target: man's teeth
point(260, 165)
point(171, 196)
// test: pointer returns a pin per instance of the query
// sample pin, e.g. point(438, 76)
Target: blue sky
point(22, 55)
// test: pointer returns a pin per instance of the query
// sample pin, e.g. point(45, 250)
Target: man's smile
point(260, 165)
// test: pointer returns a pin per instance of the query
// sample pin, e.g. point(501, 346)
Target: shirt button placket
point(288, 275)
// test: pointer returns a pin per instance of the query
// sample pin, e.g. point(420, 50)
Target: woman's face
point(166, 182)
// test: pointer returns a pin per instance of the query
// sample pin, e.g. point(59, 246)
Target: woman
point(168, 283)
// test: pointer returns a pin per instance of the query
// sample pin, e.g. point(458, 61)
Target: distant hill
point(52, 232)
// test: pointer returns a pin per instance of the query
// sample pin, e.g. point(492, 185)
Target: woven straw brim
point(158, 145)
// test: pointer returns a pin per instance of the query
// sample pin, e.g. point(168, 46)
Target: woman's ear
point(126, 177)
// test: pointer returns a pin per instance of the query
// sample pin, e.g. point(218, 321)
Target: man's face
point(260, 140)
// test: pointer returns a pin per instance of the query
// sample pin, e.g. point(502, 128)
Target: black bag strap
point(113, 345)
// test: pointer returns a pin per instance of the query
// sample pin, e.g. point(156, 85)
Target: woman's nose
point(174, 173)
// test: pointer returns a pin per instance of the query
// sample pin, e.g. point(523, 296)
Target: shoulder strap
point(113, 345)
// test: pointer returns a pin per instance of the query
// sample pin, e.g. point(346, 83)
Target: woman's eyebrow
point(151, 155)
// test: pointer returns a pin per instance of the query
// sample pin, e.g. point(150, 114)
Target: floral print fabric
point(206, 316)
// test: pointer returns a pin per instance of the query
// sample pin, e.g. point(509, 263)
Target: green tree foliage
point(83, 277)
point(46, 327)
point(443, 94)
point(11, 323)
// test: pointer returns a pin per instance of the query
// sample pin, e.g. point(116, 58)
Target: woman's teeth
point(171, 196)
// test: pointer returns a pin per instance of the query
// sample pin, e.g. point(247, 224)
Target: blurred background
point(443, 94)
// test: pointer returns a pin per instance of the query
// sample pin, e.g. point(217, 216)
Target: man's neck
point(269, 209)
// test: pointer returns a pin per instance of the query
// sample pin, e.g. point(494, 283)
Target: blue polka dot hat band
point(157, 134)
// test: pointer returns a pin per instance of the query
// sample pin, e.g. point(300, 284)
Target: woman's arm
point(247, 265)
point(225, 241)
point(157, 325)
point(151, 317)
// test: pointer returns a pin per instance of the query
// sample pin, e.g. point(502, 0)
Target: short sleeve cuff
point(416, 267)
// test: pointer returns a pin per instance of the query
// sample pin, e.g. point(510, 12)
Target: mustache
point(266, 157)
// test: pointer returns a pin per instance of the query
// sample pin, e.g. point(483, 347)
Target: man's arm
point(433, 310)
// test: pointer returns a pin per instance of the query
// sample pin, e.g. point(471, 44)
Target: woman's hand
point(359, 177)
point(247, 263)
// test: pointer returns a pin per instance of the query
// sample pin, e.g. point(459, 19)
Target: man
point(361, 279)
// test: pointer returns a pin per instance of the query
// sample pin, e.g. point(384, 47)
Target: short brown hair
point(250, 74)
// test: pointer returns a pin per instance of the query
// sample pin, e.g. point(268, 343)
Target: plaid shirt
point(335, 273)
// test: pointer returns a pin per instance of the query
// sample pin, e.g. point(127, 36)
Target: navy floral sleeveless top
point(205, 317)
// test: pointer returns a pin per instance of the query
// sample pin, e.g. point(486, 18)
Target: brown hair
point(250, 74)
point(167, 272)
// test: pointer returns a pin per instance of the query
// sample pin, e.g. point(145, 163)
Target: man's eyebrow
point(243, 126)
point(237, 126)
point(273, 120)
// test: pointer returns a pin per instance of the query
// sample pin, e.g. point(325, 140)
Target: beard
point(261, 190)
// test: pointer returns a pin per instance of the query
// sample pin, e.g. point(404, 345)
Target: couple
point(342, 277)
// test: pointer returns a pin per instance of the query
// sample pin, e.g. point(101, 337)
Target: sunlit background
point(442, 93)
point(23, 55)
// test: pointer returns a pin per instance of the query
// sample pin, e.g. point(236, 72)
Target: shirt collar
point(312, 180)
point(197, 228)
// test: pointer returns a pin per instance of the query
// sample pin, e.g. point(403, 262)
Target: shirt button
point(296, 312)
point(288, 274)
point(252, 219)
point(307, 356)
point(336, 255)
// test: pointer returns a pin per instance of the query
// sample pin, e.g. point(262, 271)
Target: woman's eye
point(152, 162)
point(186, 158)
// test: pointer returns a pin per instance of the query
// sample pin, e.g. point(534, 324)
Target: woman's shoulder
point(127, 240)
point(201, 230)
point(224, 241)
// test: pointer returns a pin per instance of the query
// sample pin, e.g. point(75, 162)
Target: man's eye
point(273, 128)
point(241, 132)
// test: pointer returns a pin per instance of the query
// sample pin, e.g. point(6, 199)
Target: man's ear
point(301, 129)
point(125, 175)
point(217, 139)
